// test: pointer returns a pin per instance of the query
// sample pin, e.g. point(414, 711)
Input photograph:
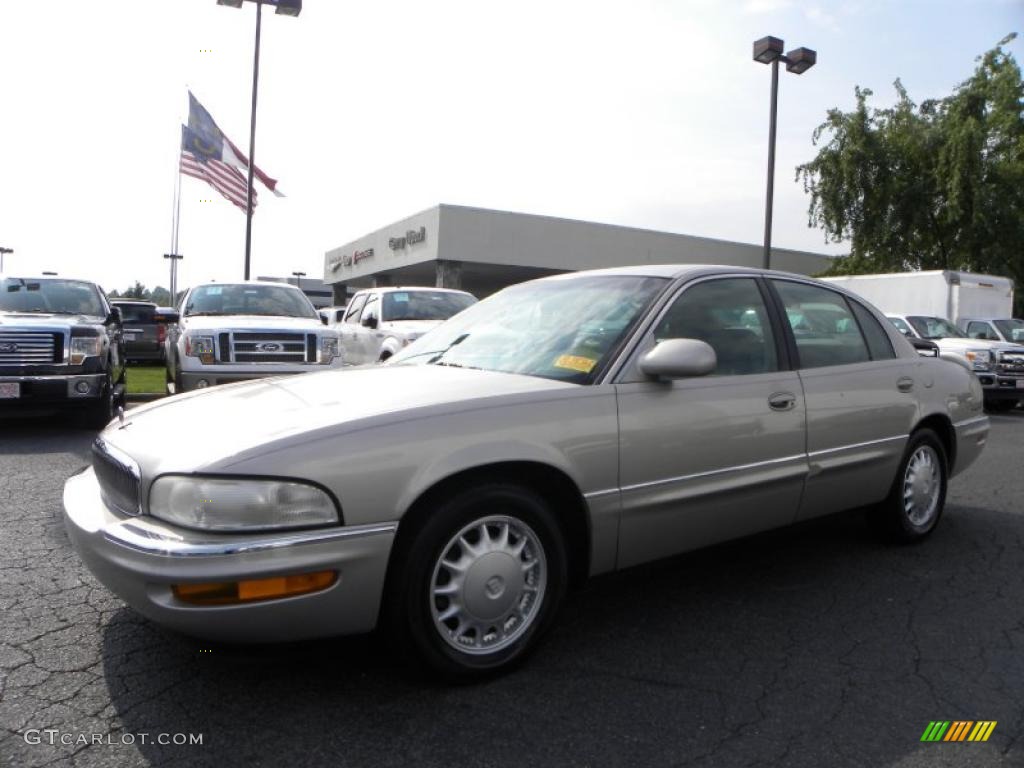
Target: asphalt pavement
point(811, 646)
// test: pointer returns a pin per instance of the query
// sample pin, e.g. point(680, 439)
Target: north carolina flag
point(201, 124)
point(200, 158)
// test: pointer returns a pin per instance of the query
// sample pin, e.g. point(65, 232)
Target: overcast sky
point(639, 112)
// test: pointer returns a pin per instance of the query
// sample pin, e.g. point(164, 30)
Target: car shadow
point(809, 645)
point(43, 432)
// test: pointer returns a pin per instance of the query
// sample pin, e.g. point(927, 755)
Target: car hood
point(960, 345)
point(221, 426)
point(29, 319)
point(256, 322)
point(410, 328)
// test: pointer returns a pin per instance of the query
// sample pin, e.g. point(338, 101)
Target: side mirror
point(167, 317)
point(679, 359)
point(323, 320)
point(114, 316)
point(370, 322)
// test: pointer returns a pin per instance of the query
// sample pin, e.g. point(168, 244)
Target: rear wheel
point(918, 495)
point(479, 583)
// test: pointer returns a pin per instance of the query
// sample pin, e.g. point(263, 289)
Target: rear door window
point(878, 341)
point(824, 328)
point(136, 313)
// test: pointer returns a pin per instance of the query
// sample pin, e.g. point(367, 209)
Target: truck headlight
point(200, 346)
point(234, 504)
point(980, 359)
point(83, 347)
point(328, 348)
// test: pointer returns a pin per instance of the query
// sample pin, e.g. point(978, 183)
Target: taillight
point(161, 333)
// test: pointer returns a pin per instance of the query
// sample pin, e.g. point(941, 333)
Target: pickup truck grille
point(118, 476)
point(1011, 362)
point(27, 347)
point(268, 347)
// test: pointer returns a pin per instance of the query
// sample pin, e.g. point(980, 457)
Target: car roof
point(270, 283)
point(118, 300)
point(397, 288)
point(677, 271)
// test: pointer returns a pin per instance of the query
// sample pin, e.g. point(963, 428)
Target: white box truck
point(930, 305)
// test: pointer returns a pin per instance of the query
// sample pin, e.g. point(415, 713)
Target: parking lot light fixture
point(4, 252)
point(768, 50)
point(283, 8)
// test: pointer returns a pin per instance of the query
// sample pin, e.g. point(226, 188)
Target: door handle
point(905, 384)
point(782, 401)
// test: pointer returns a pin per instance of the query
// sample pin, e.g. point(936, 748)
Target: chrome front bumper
point(139, 558)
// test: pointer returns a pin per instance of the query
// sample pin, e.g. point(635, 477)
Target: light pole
point(285, 8)
point(4, 252)
point(297, 276)
point(175, 258)
point(768, 50)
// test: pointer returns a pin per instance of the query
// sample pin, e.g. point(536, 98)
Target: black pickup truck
point(60, 347)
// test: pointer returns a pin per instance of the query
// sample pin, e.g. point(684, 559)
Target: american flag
point(226, 179)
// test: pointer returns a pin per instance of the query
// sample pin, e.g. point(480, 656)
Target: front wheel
point(98, 413)
point(480, 582)
point(918, 494)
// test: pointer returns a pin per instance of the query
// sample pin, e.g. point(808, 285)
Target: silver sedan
point(559, 429)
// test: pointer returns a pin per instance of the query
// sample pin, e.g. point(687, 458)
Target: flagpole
point(174, 245)
point(252, 139)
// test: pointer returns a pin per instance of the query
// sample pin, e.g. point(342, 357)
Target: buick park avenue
point(558, 429)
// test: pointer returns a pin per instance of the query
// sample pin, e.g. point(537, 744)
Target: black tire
point(410, 603)
point(98, 413)
point(892, 518)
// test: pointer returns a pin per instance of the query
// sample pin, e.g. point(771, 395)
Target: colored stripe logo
point(958, 730)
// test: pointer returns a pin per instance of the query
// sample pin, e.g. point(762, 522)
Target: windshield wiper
point(458, 340)
point(205, 314)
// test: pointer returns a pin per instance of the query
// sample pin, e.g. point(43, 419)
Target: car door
point(710, 458)
point(347, 329)
point(861, 397)
point(368, 339)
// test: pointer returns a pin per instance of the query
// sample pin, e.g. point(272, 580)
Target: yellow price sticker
point(576, 363)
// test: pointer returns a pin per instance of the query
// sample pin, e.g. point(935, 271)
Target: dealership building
point(483, 251)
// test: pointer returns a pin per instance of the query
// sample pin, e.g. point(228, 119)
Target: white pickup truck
point(998, 365)
point(930, 304)
point(237, 331)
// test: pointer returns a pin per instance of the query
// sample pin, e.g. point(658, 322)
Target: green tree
point(160, 296)
point(137, 291)
point(938, 185)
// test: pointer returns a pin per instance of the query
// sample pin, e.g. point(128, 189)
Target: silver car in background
point(559, 429)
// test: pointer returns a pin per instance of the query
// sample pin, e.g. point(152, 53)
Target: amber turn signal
point(228, 592)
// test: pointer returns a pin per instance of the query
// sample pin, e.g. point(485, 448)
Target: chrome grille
point(268, 347)
point(1011, 362)
point(118, 476)
point(26, 347)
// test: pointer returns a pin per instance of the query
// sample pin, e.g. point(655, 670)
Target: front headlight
point(83, 347)
point(232, 504)
point(980, 359)
point(199, 346)
point(328, 348)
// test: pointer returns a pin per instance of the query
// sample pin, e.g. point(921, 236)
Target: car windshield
point(50, 296)
point(424, 305)
point(565, 328)
point(901, 326)
point(1012, 330)
point(935, 328)
point(248, 299)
